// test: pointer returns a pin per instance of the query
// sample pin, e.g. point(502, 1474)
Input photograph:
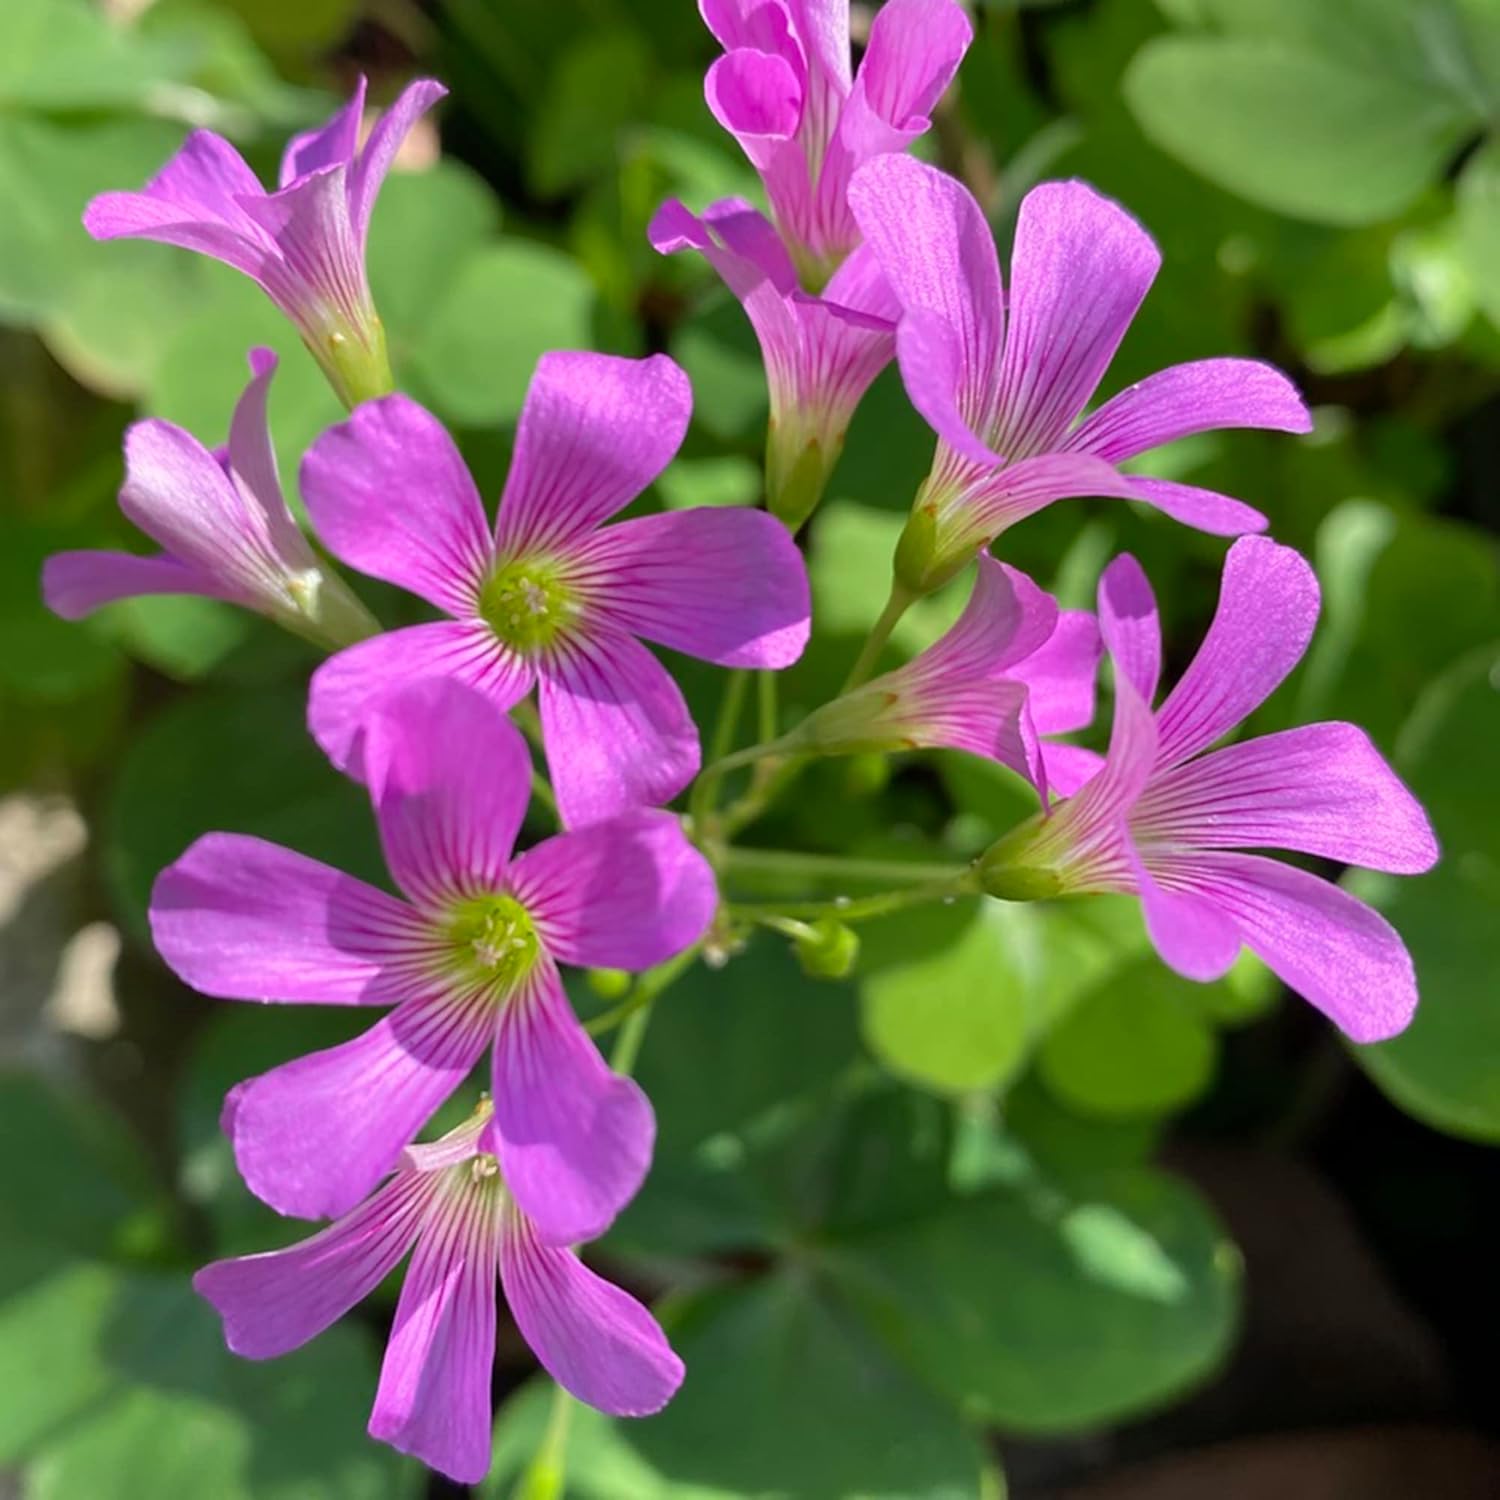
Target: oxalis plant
point(544, 616)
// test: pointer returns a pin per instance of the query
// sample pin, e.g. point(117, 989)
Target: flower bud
point(828, 949)
point(609, 984)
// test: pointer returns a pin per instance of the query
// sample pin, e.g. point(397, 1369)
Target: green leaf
point(948, 1004)
point(1135, 1045)
point(790, 1394)
point(65, 54)
point(187, 774)
point(1479, 226)
point(1294, 131)
point(1052, 1308)
point(1445, 1069)
point(597, 90)
point(505, 306)
point(181, 636)
point(48, 173)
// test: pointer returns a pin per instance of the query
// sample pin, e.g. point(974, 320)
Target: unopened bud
point(609, 984)
point(828, 950)
point(797, 472)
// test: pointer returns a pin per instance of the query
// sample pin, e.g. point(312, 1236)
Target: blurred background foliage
point(968, 1209)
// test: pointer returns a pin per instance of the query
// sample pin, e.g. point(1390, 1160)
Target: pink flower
point(1011, 670)
point(224, 527)
point(468, 961)
point(1167, 823)
point(1005, 400)
point(303, 244)
point(451, 1201)
point(784, 90)
point(820, 352)
point(550, 597)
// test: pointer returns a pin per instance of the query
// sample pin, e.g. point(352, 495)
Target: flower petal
point(331, 144)
point(1189, 932)
point(1198, 397)
point(434, 1395)
point(347, 687)
point(757, 98)
point(1268, 606)
point(1130, 624)
point(617, 731)
point(1319, 789)
point(75, 584)
point(935, 247)
point(1080, 269)
point(929, 351)
point(242, 919)
point(371, 165)
point(1203, 510)
point(728, 586)
point(914, 50)
point(593, 1339)
point(623, 894)
point(251, 461)
point(998, 500)
point(450, 778)
point(1069, 768)
point(1060, 675)
point(594, 432)
point(301, 1142)
point(274, 1303)
point(389, 494)
point(1333, 950)
point(574, 1139)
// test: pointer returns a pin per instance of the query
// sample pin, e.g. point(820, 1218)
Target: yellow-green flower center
point(493, 940)
point(528, 603)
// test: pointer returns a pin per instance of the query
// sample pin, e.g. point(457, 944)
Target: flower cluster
point(867, 255)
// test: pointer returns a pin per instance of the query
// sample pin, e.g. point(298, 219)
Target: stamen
point(528, 603)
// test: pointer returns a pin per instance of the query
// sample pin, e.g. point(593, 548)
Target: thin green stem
point(633, 1012)
point(704, 796)
point(541, 789)
point(836, 866)
point(768, 720)
point(862, 908)
point(901, 599)
point(729, 714)
point(546, 1474)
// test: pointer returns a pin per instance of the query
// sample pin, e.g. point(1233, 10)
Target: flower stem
point(634, 1011)
point(768, 719)
point(836, 866)
point(901, 599)
point(703, 797)
point(729, 714)
point(861, 909)
point(546, 1473)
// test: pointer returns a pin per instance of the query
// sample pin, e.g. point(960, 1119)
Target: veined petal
point(593, 1339)
point(757, 98)
point(1198, 397)
point(937, 252)
point(1333, 950)
point(315, 1135)
point(574, 1139)
point(737, 240)
point(1319, 789)
point(251, 462)
point(369, 168)
point(1079, 271)
point(389, 494)
point(617, 731)
point(622, 894)
point(75, 584)
point(275, 1302)
point(763, 25)
point(1130, 624)
point(347, 687)
point(1268, 606)
point(450, 778)
point(329, 145)
point(594, 432)
point(242, 919)
point(1203, 510)
point(996, 501)
point(1069, 768)
point(1006, 620)
point(728, 586)
point(930, 353)
point(1060, 675)
point(434, 1395)
point(179, 494)
point(1189, 932)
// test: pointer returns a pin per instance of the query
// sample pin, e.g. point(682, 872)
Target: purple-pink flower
point(1004, 385)
point(785, 90)
point(451, 1201)
point(468, 960)
point(303, 244)
point(224, 528)
point(1011, 670)
point(550, 597)
point(1168, 823)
